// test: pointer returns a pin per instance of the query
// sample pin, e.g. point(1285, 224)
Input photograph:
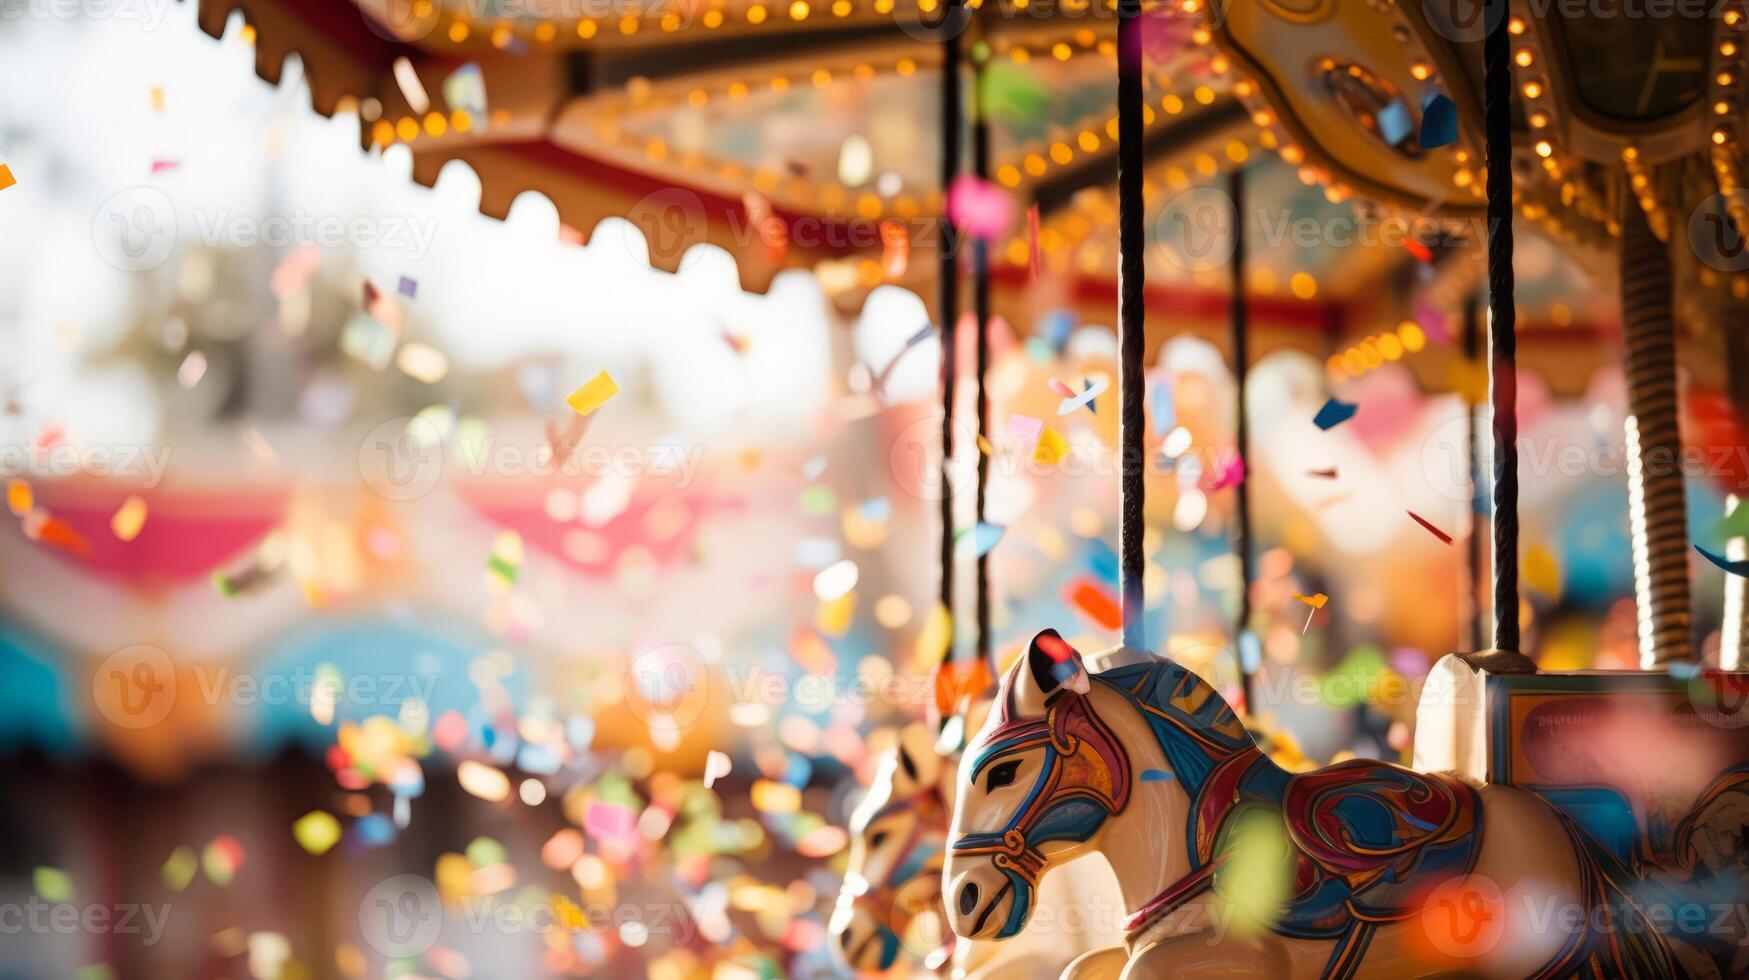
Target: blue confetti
point(374, 830)
point(1438, 121)
point(977, 541)
point(409, 287)
point(1734, 567)
point(798, 770)
point(1334, 413)
point(1161, 407)
point(1102, 561)
point(1683, 670)
point(1156, 776)
point(877, 509)
point(1394, 122)
point(1250, 652)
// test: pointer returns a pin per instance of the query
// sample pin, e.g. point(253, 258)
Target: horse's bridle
point(1084, 778)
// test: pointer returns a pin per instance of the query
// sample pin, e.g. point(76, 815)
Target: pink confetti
point(979, 208)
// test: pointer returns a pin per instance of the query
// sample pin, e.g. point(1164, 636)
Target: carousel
point(1362, 205)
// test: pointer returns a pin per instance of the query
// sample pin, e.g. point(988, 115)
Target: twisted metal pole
point(1657, 512)
point(1472, 607)
point(981, 310)
point(1132, 317)
point(1237, 320)
point(948, 300)
point(1502, 338)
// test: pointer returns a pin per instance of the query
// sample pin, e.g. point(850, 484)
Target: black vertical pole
point(1132, 317)
point(951, 110)
point(1238, 314)
point(981, 310)
point(1502, 336)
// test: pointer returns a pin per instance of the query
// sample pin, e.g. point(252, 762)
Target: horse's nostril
point(968, 898)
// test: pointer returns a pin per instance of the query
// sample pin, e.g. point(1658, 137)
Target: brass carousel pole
point(1131, 319)
point(1504, 656)
point(1657, 514)
point(951, 108)
point(1237, 322)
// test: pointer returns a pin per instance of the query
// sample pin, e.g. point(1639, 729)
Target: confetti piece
point(1025, 431)
point(594, 393)
point(716, 766)
point(1541, 571)
point(1052, 447)
point(1054, 646)
point(129, 518)
point(409, 287)
point(1438, 121)
point(159, 166)
point(1062, 389)
point(51, 884)
point(156, 94)
point(19, 498)
point(1316, 601)
point(1156, 776)
point(1231, 473)
point(822, 842)
point(1436, 532)
point(504, 564)
point(1089, 598)
point(933, 639)
point(1091, 388)
point(192, 370)
point(984, 446)
point(895, 250)
point(979, 208)
point(836, 580)
point(1740, 568)
point(316, 831)
point(1162, 406)
point(977, 541)
point(774, 797)
point(1334, 413)
point(55, 532)
point(1328, 474)
point(465, 90)
point(1421, 252)
point(179, 868)
point(6, 178)
point(412, 89)
point(1394, 122)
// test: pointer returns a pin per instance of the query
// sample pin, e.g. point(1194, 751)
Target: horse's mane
point(1194, 725)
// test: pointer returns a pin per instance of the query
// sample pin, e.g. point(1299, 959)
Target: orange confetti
point(1097, 604)
point(60, 535)
point(129, 518)
point(960, 682)
point(19, 498)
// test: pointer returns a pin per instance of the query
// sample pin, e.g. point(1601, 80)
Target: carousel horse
point(1381, 870)
point(889, 917)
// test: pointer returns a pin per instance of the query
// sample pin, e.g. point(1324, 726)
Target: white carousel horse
point(1142, 761)
point(889, 917)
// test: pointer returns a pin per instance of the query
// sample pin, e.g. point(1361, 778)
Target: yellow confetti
point(594, 394)
point(179, 868)
point(932, 641)
point(52, 884)
point(1316, 600)
point(157, 98)
point(1051, 449)
point(984, 446)
point(832, 616)
point(1258, 872)
point(1541, 571)
point(129, 518)
point(6, 178)
point(19, 498)
point(316, 831)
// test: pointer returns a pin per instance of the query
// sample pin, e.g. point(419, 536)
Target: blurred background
point(295, 600)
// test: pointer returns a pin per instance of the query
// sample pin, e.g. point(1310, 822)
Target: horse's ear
point(1050, 665)
point(919, 765)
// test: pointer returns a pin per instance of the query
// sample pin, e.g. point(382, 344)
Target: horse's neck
point(1144, 843)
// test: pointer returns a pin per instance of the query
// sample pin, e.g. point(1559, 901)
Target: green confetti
point(52, 884)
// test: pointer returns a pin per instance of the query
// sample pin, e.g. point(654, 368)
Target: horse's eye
point(1001, 775)
point(879, 838)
